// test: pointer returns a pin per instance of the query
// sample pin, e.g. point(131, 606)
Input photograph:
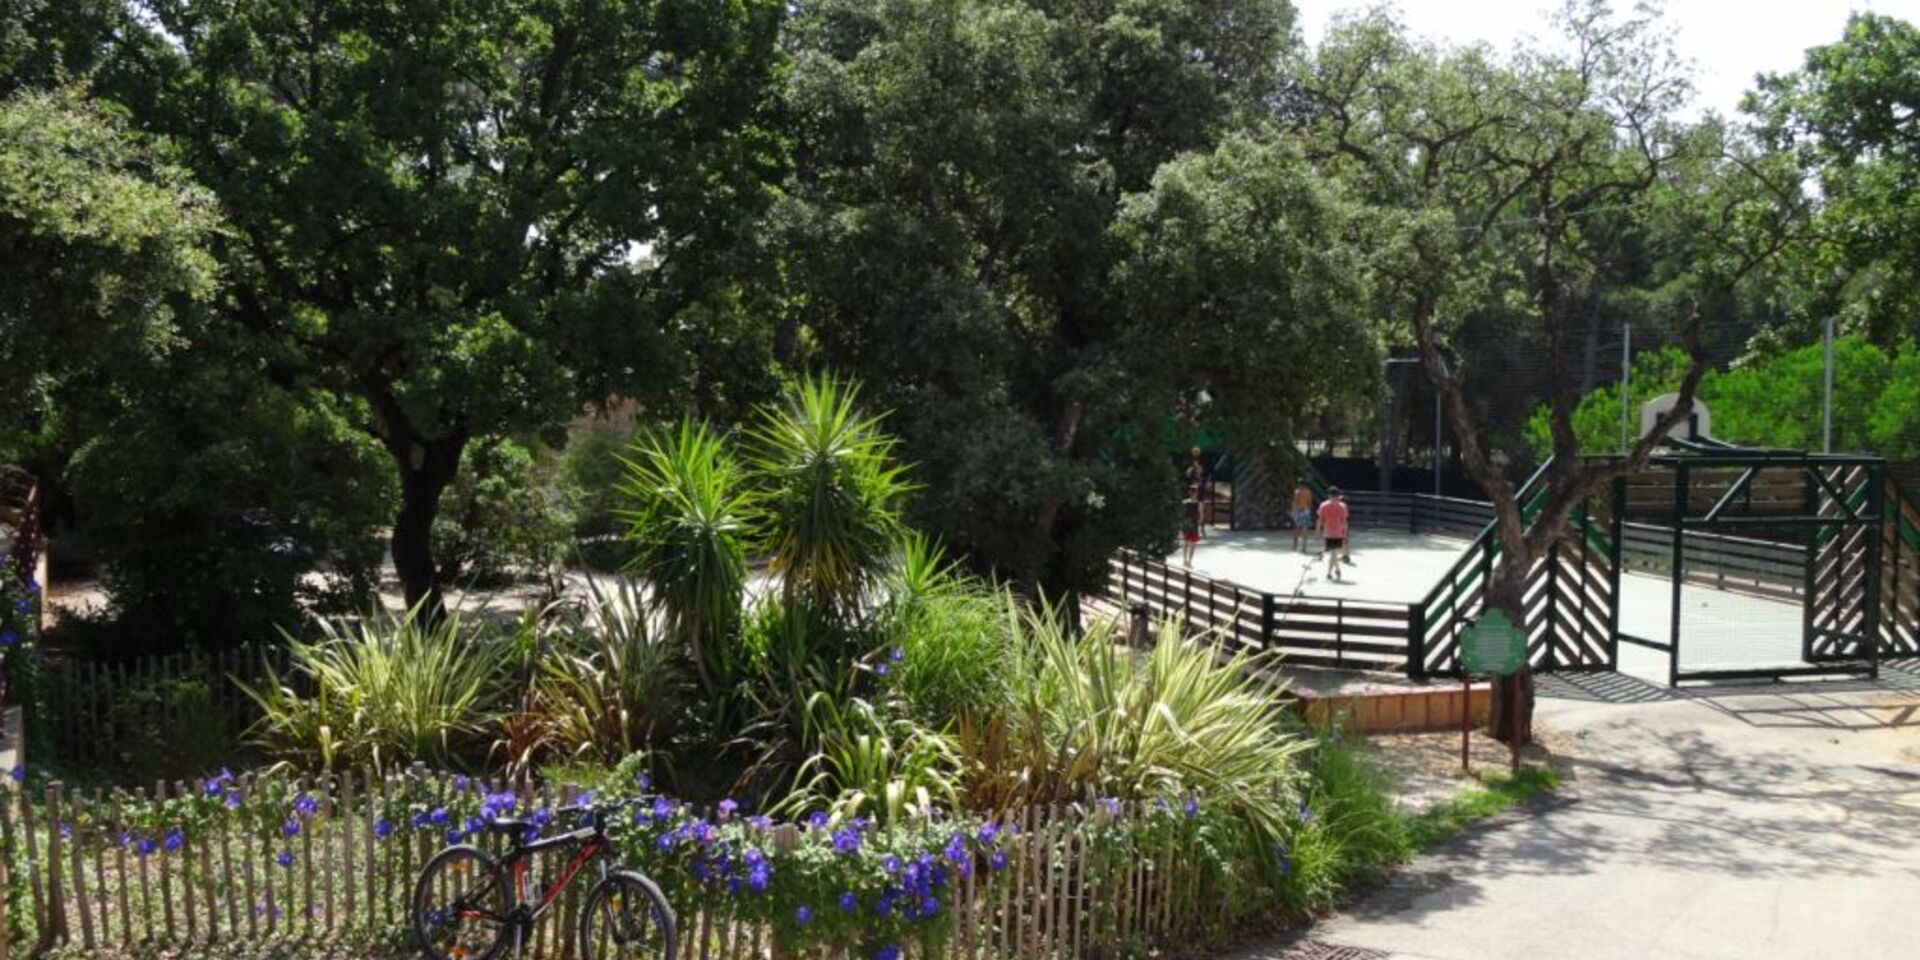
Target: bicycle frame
point(592, 845)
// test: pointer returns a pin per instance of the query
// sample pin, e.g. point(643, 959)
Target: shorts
point(1335, 543)
point(1190, 536)
point(1303, 519)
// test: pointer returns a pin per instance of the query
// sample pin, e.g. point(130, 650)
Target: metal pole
point(1436, 441)
point(1826, 406)
point(1626, 381)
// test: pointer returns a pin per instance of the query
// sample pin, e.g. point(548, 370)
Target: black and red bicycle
point(470, 905)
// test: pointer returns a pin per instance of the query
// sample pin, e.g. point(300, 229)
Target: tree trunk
point(424, 475)
point(1512, 719)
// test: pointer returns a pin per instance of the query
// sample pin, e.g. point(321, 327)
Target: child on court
point(1189, 528)
point(1333, 526)
point(1302, 510)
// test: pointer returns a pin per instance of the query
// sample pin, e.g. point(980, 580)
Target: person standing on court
point(1197, 488)
point(1189, 528)
point(1333, 526)
point(1302, 511)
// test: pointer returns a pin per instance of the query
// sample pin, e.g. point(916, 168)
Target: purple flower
point(754, 857)
point(1306, 812)
point(541, 817)
point(817, 819)
point(888, 952)
point(847, 841)
point(665, 842)
point(1111, 805)
point(175, 840)
point(454, 836)
point(382, 829)
point(460, 781)
point(233, 801)
point(956, 848)
point(988, 834)
point(881, 669)
point(757, 878)
point(891, 864)
point(1192, 807)
point(438, 817)
point(760, 822)
point(899, 654)
point(884, 908)
point(66, 831)
point(305, 805)
point(8, 638)
point(419, 819)
point(702, 832)
point(727, 807)
point(801, 915)
point(998, 861)
point(643, 781)
point(662, 809)
point(848, 902)
point(285, 859)
point(143, 846)
point(290, 829)
point(928, 907)
point(19, 773)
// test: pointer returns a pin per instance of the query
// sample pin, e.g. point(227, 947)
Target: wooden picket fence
point(1068, 889)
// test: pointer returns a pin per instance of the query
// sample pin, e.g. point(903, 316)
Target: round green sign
point(1493, 645)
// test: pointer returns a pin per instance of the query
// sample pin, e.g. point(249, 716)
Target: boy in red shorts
point(1333, 526)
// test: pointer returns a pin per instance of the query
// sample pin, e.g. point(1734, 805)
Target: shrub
point(384, 690)
point(1091, 718)
point(605, 683)
point(171, 729)
point(942, 641)
point(865, 764)
point(504, 513)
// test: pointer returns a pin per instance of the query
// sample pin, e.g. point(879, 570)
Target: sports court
point(1725, 629)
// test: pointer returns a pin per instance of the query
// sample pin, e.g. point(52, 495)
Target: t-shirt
point(1333, 520)
point(1302, 499)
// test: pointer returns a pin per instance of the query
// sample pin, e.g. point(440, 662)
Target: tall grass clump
point(1090, 718)
point(943, 645)
point(605, 683)
point(380, 690)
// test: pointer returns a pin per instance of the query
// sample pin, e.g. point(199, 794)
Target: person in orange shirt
point(1333, 526)
point(1302, 511)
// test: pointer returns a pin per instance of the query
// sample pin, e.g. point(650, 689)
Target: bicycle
point(465, 908)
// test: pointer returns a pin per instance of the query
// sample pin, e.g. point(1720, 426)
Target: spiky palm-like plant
point(689, 505)
point(831, 496)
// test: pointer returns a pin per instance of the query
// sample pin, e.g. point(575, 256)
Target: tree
point(467, 219)
point(1848, 117)
point(1486, 175)
point(977, 182)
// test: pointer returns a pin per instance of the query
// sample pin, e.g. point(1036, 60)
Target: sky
point(1727, 41)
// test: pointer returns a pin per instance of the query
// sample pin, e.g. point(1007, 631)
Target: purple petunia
point(460, 781)
point(888, 952)
point(727, 807)
point(285, 859)
point(438, 817)
point(956, 849)
point(998, 861)
point(233, 800)
point(643, 781)
point(290, 829)
point(817, 819)
point(144, 846)
point(1191, 808)
point(8, 638)
point(848, 902)
point(882, 669)
point(760, 822)
point(419, 820)
point(802, 915)
point(454, 836)
point(18, 774)
point(846, 841)
point(174, 841)
point(988, 834)
point(899, 654)
point(891, 864)
point(382, 829)
point(662, 809)
point(305, 805)
point(757, 877)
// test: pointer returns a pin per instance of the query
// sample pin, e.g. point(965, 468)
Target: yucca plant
point(688, 508)
point(831, 496)
point(386, 689)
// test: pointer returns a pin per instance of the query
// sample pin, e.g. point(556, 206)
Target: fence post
point(1417, 641)
point(1339, 633)
point(1266, 620)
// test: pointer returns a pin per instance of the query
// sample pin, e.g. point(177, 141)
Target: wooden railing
point(97, 710)
point(1348, 634)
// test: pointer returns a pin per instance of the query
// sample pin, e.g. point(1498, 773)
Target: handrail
point(1485, 537)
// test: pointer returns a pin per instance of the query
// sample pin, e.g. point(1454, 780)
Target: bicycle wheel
point(460, 905)
point(626, 918)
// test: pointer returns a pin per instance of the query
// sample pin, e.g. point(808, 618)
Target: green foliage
point(1091, 718)
point(867, 764)
point(1497, 792)
point(689, 504)
point(381, 691)
point(506, 512)
point(592, 468)
point(831, 493)
point(175, 730)
point(606, 684)
point(1775, 400)
point(944, 640)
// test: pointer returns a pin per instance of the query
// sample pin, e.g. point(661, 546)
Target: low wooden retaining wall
point(1397, 711)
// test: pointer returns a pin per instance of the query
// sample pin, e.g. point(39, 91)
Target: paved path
point(1781, 822)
